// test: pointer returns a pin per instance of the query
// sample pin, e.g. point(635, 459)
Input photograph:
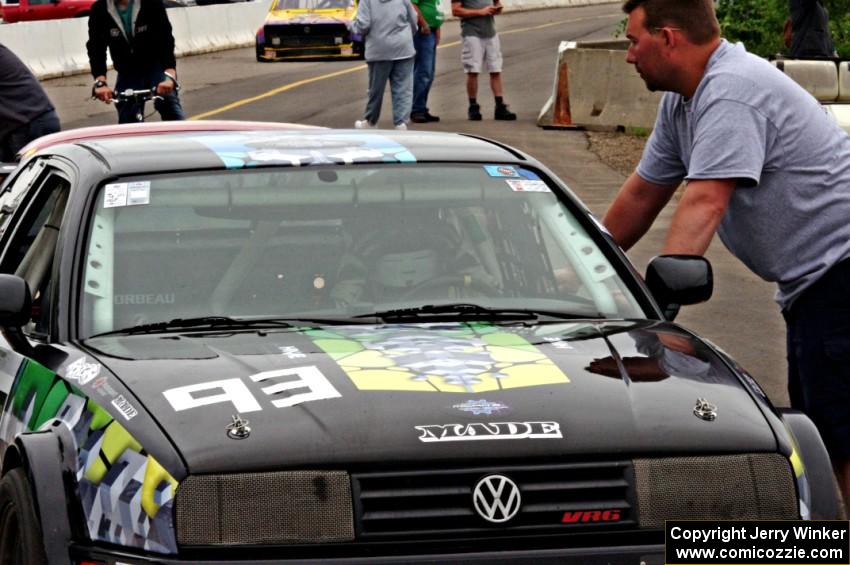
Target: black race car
point(238, 346)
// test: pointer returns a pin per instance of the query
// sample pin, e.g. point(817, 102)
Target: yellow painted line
point(296, 84)
point(276, 91)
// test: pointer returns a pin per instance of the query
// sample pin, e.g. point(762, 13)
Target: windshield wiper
point(202, 321)
point(467, 310)
point(216, 322)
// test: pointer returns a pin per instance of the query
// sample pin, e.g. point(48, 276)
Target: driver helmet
point(409, 253)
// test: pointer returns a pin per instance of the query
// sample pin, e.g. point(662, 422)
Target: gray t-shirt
point(22, 98)
point(388, 27)
point(479, 26)
point(789, 217)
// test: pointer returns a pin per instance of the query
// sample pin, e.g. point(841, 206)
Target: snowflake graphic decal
point(461, 358)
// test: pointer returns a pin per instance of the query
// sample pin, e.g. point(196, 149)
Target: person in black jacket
point(807, 30)
point(138, 35)
point(25, 110)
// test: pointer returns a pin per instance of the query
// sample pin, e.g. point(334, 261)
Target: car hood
point(344, 395)
point(310, 17)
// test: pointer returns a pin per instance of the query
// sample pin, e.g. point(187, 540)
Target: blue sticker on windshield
point(251, 149)
point(530, 175)
point(502, 171)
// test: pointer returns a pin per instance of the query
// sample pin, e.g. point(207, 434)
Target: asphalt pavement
point(741, 317)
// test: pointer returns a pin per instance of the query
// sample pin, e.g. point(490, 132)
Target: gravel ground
point(619, 151)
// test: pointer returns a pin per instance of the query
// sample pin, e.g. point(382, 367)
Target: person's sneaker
point(474, 112)
point(402, 126)
point(502, 113)
point(363, 124)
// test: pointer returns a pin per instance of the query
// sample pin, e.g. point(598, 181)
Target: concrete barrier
point(819, 78)
point(58, 47)
point(844, 81)
point(595, 88)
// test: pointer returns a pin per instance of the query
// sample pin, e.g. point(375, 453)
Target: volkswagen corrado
point(308, 29)
point(240, 346)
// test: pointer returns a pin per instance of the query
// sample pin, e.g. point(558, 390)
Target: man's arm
point(166, 46)
point(423, 25)
point(697, 216)
point(96, 50)
point(363, 20)
point(635, 208)
point(413, 17)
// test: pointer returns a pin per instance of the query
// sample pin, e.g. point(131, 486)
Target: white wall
point(58, 47)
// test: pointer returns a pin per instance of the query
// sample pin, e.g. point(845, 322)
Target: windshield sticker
point(115, 195)
point(81, 371)
point(121, 194)
point(527, 185)
point(501, 171)
point(481, 431)
point(237, 393)
point(482, 407)
point(530, 175)
point(456, 358)
point(138, 193)
point(250, 149)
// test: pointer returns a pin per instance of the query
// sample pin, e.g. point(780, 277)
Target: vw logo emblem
point(496, 498)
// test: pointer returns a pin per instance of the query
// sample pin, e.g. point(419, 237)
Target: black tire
point(20, 532)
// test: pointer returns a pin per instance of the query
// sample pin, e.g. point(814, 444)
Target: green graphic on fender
point(125, 493)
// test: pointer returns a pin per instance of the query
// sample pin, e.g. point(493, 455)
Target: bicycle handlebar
point(130, 95)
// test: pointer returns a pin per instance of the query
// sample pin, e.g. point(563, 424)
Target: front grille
point(308, 41)
point(287, 507)
point(327, 35)
point(578, 502)
point(756, 486)
point(440, 502)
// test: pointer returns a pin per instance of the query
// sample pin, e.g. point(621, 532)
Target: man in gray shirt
point(26, 112)
point(768, 171)
point(481, 48)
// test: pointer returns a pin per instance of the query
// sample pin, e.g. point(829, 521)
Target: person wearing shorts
point(481, 50)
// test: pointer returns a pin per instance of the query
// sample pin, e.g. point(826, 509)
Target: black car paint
point(195, 441)
point(618, 412)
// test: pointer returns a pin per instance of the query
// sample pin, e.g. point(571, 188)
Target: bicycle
point(138, 97)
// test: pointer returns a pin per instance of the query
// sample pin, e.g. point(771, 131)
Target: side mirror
point(15, 310)
point(679, 280)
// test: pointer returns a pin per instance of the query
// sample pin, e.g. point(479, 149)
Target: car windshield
point(340, 242)
point(314, 4)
